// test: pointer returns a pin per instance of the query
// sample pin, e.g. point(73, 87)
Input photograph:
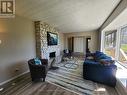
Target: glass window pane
point(123, 46)
point(110, 44)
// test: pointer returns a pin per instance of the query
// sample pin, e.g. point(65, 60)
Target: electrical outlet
point(1, 89)
point(0, 42)
point(17, 69)
point(13, 83)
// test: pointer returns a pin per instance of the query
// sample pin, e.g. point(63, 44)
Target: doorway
point(88, 40)
point(71, 44)
point(79, 44)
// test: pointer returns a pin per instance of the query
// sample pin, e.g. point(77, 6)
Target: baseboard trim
point(13, 78)
point(120, 88)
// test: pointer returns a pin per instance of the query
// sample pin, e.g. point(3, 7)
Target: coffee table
point(71, 63)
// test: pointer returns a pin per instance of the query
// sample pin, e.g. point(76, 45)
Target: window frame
point(117, 42)
point(113, 39)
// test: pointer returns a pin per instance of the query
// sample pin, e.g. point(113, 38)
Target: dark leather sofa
point(99, 67)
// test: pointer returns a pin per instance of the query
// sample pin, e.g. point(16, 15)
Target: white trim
point(14, 78)
point(124, 55)
point(102, 40)
point(123, 26)
point(117, 43)
point(120, 88)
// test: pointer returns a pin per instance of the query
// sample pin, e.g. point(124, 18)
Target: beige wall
point(92, 34)
point(18, 46)
point(61, 39)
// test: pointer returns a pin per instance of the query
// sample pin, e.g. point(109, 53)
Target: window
point(123, 46)
point(110, 43)
point(117, 50)
point(115, 44)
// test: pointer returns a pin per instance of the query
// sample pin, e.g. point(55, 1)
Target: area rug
point(72, 79)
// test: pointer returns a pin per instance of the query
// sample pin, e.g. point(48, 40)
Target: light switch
point(0, 41)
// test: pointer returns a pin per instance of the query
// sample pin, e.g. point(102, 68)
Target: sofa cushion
point(107, 61)
point(98, 53)
point(108, 58)
point(102, 56)
point(88, 61)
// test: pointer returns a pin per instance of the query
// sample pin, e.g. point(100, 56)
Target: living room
point(63, 33)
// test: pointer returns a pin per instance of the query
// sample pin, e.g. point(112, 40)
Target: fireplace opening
point(52, 54)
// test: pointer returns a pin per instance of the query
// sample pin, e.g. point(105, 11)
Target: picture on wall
point(52, 38)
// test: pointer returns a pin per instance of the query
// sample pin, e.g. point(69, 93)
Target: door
point(70, 43)
point(88, 45)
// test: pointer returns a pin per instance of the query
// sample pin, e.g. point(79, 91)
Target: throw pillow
point(90, 62)
point(106, 61)
point(102, 56)
point(37, 61)
point(98, 53)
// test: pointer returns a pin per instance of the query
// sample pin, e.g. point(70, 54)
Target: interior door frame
point(87, 42)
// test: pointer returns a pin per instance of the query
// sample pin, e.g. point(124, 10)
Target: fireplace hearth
point(52, 56)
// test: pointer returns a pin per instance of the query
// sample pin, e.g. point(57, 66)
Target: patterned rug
point(72, 79)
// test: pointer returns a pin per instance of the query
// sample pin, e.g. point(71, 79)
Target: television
point(52, 38)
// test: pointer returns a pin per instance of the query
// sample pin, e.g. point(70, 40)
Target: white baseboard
point(120, 88)
point(14, 78)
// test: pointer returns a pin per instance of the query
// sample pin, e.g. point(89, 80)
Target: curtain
point(78, 44)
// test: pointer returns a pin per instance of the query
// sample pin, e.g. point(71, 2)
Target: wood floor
point(63, 81)
point(24, 86)
point(72, 78)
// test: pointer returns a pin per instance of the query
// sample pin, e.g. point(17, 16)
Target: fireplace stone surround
point(42, 49)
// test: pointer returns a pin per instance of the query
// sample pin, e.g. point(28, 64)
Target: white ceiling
point(120, 21)
point(67, 15)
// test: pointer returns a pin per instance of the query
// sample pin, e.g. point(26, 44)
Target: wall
point(18, 46)
point(92, 34)
point(42, 48)
point(61, 41)
point(99, 40)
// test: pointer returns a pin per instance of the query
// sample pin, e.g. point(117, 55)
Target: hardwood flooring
point(72, 79)
point(24, 86)
point(63, 81)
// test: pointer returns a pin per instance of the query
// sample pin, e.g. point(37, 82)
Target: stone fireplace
point(42, 48)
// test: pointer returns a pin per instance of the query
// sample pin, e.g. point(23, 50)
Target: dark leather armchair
point(38, 71)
